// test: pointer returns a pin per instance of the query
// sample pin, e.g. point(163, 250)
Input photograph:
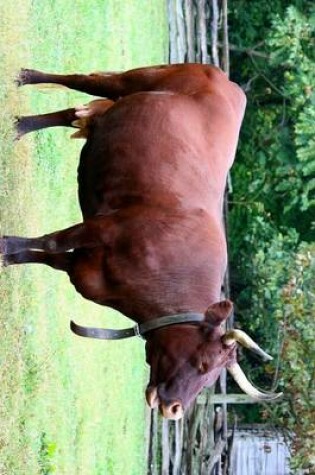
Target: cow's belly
point(151, 149)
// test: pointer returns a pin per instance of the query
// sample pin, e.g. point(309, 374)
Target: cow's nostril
point(176, 408)
point(172, 411)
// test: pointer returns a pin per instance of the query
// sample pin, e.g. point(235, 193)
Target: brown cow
point(151, 183)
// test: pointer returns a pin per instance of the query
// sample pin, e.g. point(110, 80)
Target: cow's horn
point(241, 337)
point(238, 375)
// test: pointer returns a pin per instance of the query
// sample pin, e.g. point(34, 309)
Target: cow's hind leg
point(26, 124)
point(79, 117)
point(110, 85)
point(60, 261)
point(102, 85)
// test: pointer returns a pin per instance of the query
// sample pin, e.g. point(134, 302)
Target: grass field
point(67, 406)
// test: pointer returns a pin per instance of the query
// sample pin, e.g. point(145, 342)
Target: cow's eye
point(203, 367)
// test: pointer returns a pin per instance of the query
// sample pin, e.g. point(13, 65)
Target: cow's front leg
point(91, 233)
point(56, 261)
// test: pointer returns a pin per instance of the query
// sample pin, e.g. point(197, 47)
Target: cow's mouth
point(151, 396)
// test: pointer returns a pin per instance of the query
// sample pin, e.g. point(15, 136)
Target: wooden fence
point(200, 443)
point(197, 444)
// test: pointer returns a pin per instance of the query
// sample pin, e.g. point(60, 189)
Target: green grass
point(67, 406)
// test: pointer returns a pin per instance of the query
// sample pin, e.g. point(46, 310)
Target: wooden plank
point(181, 34)
point(173, 53)
point(165, 447)
point(216, 454)
point(214, 32)
point(179, 432)
point(227, 399)
point(207, 433)
point(189, 14)
point(153, 448)
point(225, 53)
point(201, 33)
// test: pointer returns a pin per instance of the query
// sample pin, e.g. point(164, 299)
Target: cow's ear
point(218, 312)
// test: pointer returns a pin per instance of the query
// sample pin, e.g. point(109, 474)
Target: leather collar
point(139, 329)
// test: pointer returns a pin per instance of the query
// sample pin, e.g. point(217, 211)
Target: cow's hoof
point(22, 77)
point(28, 76)
point(3, 245)
point(6, 260)
point(21, 127)
point(8, 245)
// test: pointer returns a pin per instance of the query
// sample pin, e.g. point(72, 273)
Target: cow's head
point(186, 358)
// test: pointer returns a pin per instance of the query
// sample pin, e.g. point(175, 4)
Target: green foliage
point(277, 143)
point(277, 306)
point(292, 49)
point(272, 206)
